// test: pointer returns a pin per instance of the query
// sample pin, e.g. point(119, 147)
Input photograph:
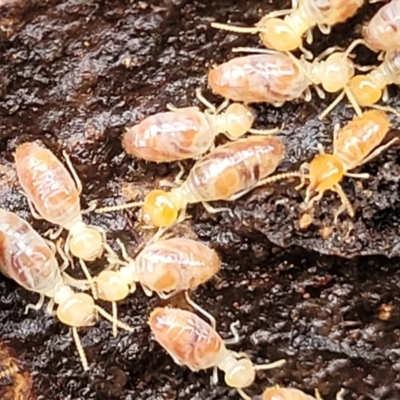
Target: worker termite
point(54, 194)
point(281, 393)
point(382, 32)
point(226, 173)
point(165, 267)
point(368, 89)
point(287, 34)
point(276, 77)
point(353, 145)
point(28, 259)
point(186, 133)
point(190, 341)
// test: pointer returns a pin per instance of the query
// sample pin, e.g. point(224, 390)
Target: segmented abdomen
point(25, 257)
point(233, 168)
point(176, 264)
point(360, 136)
point(186, 337)
point(170, 136)
point(48, 184)
point(267, 78)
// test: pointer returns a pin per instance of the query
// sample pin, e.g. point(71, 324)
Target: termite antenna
point(243, 394)
point(79, 347)
point(279, 177)
point(386, 109)
point(89, 279)
point(119, 207)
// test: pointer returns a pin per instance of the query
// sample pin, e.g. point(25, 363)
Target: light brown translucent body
point(176, 264)
point(280, 393)
point(265, 78)
point(185, 133)
point(192, 342)
point(25, 257)
point(232, 168)
point(48, 184)
point(383, 31)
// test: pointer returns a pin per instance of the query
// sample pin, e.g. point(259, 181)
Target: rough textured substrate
point(73, 74)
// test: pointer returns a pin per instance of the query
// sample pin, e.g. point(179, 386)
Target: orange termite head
point(325, 171)
point(161, 208)
point(279, 393)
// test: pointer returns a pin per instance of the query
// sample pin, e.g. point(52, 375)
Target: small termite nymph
point(281, 393)
point(276, 77)
point(166, 267)
point(54, 194)
point(382, 32)
point(287, 34)
point(226, 173)
point(369, 89)
point(192, 342)
point(355, 144)
point(186, 133)
point(27, 258)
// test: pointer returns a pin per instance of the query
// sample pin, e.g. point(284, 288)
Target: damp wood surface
point(73, 75)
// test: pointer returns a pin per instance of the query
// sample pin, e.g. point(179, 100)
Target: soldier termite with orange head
point(369, 89)
point(355, 144)
point(226, 173)
point(192, 342)
point(287, 34)
point(55, 195)
point(281, 393)
point(27, 258)
point(382, 32)
point(187, 132)
point(276, 77)
point(165, 267)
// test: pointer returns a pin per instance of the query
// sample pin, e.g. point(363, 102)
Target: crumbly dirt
point(73, 75)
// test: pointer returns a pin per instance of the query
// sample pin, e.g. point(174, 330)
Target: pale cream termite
point(226, 173)
point(276, 77)
point(355, 144)
point(186, 133)
point(190, 341)
point(28, 259)
point(55, 196)
point(382, 32)
point(370, 88)
point(165, 267)
point(286, 34)
point(282, 393)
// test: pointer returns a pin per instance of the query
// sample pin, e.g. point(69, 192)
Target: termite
point(276, 77)
point(355, 144)
point(382, 32)
point(281, 393)
point(190, 341)
point(226, 173)
point(186, 133)
point(287, 34)
point(166, 267)
point(53, 194)
point(29, 260)
point(368, 89)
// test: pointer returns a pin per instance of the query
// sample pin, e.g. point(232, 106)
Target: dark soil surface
point(73, 75)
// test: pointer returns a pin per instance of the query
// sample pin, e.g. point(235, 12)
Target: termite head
point(161, 208)
point(85, 242)
point(325, 171)
point(112, 286)
point(237, 120)
point(365, 91)
point(277, 392)
point(278, 34)
point(337, 70)
point(75, 309)
point(241, 374)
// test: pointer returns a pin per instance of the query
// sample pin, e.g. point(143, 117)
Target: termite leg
point(73, 172)
point(200, 310)
point(32, 209)
point(236, 337)
point(89, 278)
point(336, 130)
point(213, 210)
point(210, 107)
point(340, 394)
point(358, 176)
point(64, 257)
point(214, 377)
point(92, 207)
point(332, 105)
point(36, 306)
point(275, 364)
point(115, 317)
point(243, 394)
point(346, 205)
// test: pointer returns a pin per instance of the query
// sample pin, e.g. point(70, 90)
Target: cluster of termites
point(169, 265)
